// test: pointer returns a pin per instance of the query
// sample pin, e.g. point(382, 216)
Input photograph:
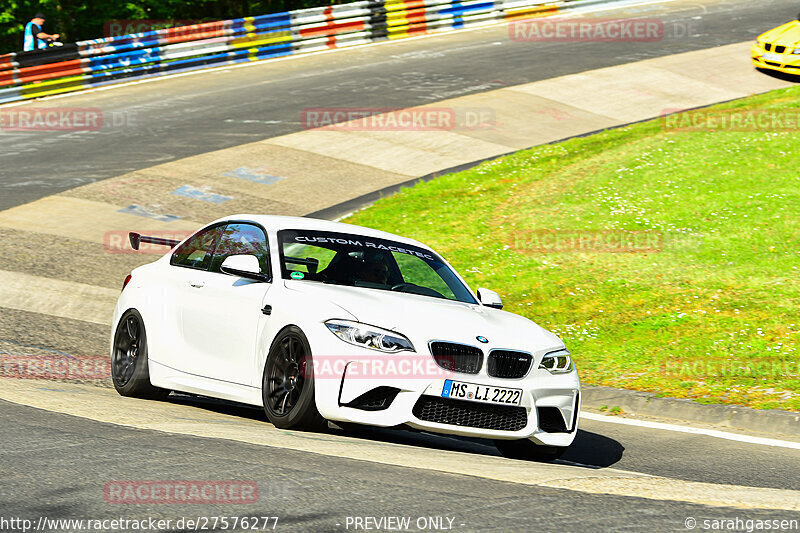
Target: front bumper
point(787, 63)
point(548, 413)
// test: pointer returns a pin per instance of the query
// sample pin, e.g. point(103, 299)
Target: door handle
point(197, 284)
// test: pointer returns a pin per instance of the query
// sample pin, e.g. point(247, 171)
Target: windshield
point(358, 261)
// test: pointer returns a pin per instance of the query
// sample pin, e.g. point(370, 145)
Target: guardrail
point(98, 62)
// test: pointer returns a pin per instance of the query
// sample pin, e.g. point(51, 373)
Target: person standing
point(35, 37)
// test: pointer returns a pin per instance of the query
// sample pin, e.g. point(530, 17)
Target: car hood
point(787, 35)
point(423, 319)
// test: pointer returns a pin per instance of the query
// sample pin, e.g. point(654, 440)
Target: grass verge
point(667, 260)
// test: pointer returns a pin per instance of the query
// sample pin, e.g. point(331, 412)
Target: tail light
point(127, 280)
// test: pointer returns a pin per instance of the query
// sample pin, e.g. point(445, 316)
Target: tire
point(129, 370)
point(525, 449)
point(287, 385)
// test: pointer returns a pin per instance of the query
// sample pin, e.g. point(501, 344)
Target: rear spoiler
point(137, 239)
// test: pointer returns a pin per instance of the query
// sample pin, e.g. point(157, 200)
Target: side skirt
point(169, 378)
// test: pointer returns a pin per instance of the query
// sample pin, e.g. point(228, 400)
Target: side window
point(196, 252)
point(239, 239)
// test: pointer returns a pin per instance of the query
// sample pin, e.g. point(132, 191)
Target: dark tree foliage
point(78, 20)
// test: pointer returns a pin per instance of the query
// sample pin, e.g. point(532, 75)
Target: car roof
point(279, 222)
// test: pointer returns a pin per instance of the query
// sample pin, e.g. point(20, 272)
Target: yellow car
point(779, 49)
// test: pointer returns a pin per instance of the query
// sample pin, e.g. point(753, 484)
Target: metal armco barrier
point(98, 62)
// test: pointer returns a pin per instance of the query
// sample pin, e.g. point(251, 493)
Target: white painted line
point(344, 216)
point(479, 26)
point(695, 431)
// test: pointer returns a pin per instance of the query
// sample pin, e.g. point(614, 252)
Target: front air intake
point(377, 399)
point(550, 420)
point(471, 414)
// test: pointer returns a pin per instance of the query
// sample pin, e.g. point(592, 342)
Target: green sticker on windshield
point(297, 275)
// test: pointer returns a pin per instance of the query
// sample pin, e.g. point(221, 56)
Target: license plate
point(481, 393)
point(771, 57)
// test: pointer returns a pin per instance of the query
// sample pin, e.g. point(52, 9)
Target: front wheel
point(525, 449)
point(129, 370)
point(288, 383)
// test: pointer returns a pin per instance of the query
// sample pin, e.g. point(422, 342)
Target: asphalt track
point(150, 123)
point(56, 465)
point(305, 491)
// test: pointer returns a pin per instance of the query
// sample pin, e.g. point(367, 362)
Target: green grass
point(721, 292)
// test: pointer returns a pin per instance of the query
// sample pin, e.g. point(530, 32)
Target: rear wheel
point(129, 370)
point(525, 449)
point(288, 383)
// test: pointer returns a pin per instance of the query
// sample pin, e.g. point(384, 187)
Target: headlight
point(558, 362)
point(368, 336)
point(796, 51)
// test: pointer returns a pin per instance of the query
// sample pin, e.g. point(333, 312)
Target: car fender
point(291, 308)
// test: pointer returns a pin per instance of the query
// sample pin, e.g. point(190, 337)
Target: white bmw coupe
point(318, 320)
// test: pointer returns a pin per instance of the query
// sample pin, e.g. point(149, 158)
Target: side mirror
point(244, 266)
point(490, 298)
